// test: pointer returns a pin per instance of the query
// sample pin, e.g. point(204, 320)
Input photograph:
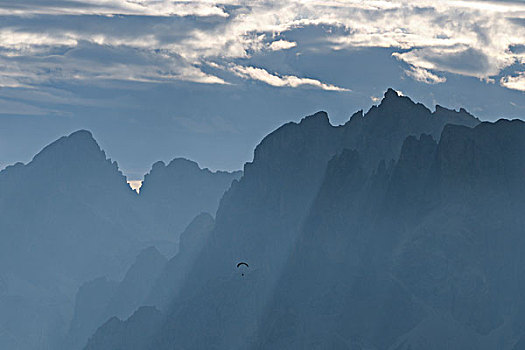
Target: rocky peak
point(79, 146)
point(455, 117)
point(319, 118)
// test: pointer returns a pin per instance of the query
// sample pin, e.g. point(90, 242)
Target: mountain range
point(400, 229)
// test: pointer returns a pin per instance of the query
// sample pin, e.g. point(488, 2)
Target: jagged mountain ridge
point(259, 219)
point(421, 270)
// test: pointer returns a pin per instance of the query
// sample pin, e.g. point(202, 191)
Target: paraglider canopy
point(240, 264)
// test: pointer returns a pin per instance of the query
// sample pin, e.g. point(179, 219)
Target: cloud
point(282, 45)
point(263, 75)
point(458, 59)
point(92, 62)
point(112, 7)
point(42, 40)
point(424, 76)
point(516, 82)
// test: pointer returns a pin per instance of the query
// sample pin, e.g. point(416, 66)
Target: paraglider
point(240, 264)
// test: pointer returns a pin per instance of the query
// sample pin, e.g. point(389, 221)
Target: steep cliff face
point(266, 217)
point(429, 252)
point(463, 259)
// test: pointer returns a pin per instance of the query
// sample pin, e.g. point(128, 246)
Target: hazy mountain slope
point(100, 299)
point(176, 271)
point(172, 195)
point(91, 302)
point(152, 280)
point(260, 217)
point(133, 290)
point(169, 280)
point(137, 332)
point(69, 216)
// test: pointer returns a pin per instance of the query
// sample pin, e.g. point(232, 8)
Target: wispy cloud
point(282, 45)
point(112, 7)
point(516, 82)
point(86, 62)
point(424, 76)
point(263, 75)
point(167, 40)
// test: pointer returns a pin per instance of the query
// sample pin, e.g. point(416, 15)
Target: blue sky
point(157, 79)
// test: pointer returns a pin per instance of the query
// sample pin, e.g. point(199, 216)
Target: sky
point(207, 80)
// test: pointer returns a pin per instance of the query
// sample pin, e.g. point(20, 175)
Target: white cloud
point(456, 36)
point(113, 7)
point(282, 45)
point(127, 64)
point(263, 75)
point(516, 82)
point(424, 76)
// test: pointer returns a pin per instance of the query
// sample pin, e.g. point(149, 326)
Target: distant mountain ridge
point(68, 216)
